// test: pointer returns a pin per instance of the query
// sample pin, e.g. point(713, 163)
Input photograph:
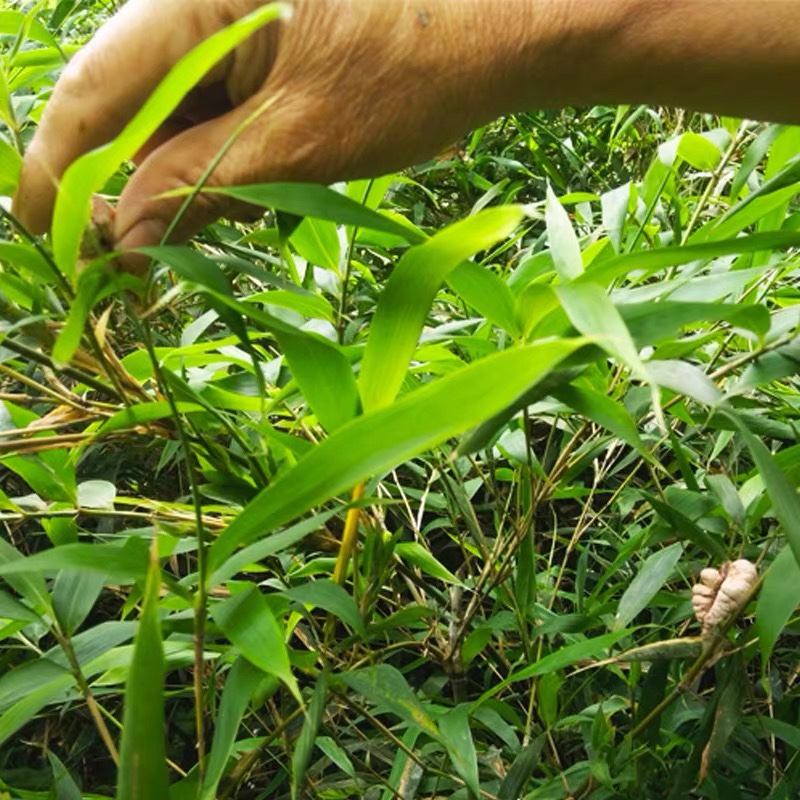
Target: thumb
point(252, 145)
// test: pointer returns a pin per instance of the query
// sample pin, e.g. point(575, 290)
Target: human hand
point(349, 88)
point(356, 88)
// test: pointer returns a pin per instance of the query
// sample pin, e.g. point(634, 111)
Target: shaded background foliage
point(601, 400)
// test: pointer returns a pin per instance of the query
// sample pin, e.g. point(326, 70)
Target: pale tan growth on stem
point(722, 592)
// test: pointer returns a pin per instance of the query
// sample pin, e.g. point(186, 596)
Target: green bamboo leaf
point(305, 742)
point(27, 258)
point(304, 303)
point(63, 783)
point(143, 413)
point(614, 206)
point(95, 283)
point(783, 730)
point(664, 650)
point(486, 292)
point(591, 311)
point(43, 477)
point(337, 755)
point(406, 773)
point(484, 433)
point(698, 151)
point(143, 757)
point(249, 623)
point(380, 441)
point(730, 500)
point(686, 528)
point(275, 543)
point(513, 785)
point(653, 322)
point(561, 658)
point(650, 261)
point(89, 173)
point(603, 410)
point(785, 500)
point(11, 22)
point(10, 166)
point(457, 736)
point(564, 244)
point(319, 202)
point(74, 595)
point(414, 553)
point(325, 377)
point(777, 600)
point(787, 175)
point(11, 608)
point(330, 597)
point(95, 642)
point(32, 702)
point(317, 241)
point(319, 366)
point(753, 212)
point(387, 688)
point(193, 266)
point(406, 300)
point(685, 379)
point(120, 563)
point(533, 305)
point(243, 682)
point(653, 574)
point(29, 585)
point(755, 152)
point(91, 283)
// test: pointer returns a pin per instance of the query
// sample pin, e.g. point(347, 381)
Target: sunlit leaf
point(409, 292)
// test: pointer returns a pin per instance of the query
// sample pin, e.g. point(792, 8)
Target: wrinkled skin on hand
point(355, 88)
point(349, 88)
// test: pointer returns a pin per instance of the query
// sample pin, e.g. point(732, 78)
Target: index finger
point(104, 86)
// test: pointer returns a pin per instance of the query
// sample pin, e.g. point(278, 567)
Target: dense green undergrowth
point(559, 364)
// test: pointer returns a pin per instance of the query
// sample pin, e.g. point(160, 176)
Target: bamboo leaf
point(785, 500)
point(244, 680)
point(379, 441)
point(319, 202)
point(563, 241)
point(777, 600)
point(455, 731)
point(143, 757)
point(385, 687)
point(331, 597)
point(249, 623)
point(654, 572)
point(409, 292)
point(305, 742)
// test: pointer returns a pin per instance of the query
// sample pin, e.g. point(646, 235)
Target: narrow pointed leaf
point(249, 623)
point(654, 572)
point(406, 300)
point(374, 443)
point(143, 757)
point(242, 682)
point(308, 735)
point(563, 240)
point(777, 600)
point(320, 202)
point(457, 736)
